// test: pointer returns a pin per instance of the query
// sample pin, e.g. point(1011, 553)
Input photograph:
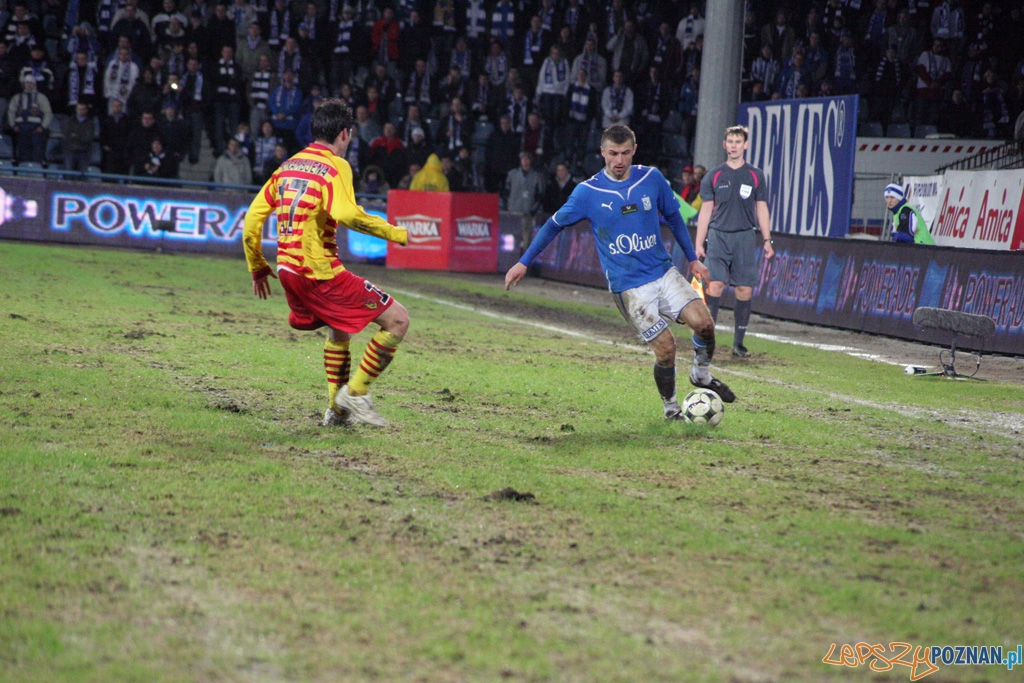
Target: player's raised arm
point(262, 206)
point(341, 204)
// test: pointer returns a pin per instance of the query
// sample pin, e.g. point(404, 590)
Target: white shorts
point(647, 306)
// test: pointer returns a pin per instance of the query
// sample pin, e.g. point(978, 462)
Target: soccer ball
point(703, 406)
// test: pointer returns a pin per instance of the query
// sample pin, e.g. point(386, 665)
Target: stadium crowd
point(510, 94)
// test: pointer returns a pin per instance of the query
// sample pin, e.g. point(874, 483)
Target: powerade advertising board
point(806, 149)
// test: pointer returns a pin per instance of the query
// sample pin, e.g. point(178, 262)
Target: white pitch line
point(1003, 424)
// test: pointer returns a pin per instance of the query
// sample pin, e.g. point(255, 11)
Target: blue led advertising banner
point(806, 149)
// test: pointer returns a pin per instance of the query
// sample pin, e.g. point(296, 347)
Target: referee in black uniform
point(735, 204)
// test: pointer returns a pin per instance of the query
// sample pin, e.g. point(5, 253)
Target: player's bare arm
point(764, 225)
point(514, 275)
point(703, 221)
point(261, 284)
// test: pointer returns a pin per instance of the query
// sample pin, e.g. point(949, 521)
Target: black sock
point(741, 315)
point(665, 379)
point(713, 302)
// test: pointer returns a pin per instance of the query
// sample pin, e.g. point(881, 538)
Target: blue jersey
point(627, 229)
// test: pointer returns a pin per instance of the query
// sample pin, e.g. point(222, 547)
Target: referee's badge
point(745, 190)
point(647, 203)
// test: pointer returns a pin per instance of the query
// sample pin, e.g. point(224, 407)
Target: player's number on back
point(299, 188)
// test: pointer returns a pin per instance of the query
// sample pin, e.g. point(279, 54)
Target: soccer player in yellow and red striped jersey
point(312, 195)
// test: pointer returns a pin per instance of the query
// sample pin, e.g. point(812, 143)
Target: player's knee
point(397, 320)
point(665, 352)
point(705, 329)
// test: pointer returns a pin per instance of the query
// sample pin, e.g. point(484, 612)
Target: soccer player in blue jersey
point(623, 203)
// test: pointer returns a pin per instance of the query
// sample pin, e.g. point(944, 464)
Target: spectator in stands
point(367, 128)
point(524, 188)
point(242, 15)
point(20, 48)
point(78, 132)
point(816, 58)
point(29, 115)
point(576, 18)
point(220, 33)
point(451, 87)
point(115, 129)
point(793, 77)
point(876, 31)
point(462, 57)
point(690, 26)
point(146, 95)
point(972, 73)
point(534, 46)
point(312, 32)
point(161, 23)
point(616, 102)
point(290, 59)
point(263, 147)
point(667, 55)
point(995, 117)
point(553, 88)
point(582, 112)
point(278, 25)
point(21, 16)
point(947, 24)
point(280, 156)
point(537, 139)
point(689, 95)
point(285, 107)
point(503, 22)
point(413, 120)
point(629, 53)
point(244, 137)
point(413, 43)
point(226, 88)
point(82, 83)
point(417, 149)
point(233, 166)
point(384, 37)
point(419, 88)
point(350, 49)
point(844, 76)
point(904, 38)
point(251, 49)
point(373, 182)
point(886, 91)
point(120, 78)
point(140, 140)
point(385, 84)
point(613, 23)
point(765, 70)
point(517, 106)
point(262, 82)
point(496, 64)
point(933, 72)
point(484, 99)
point(780, 36)
point(690, 189)
point(431, 177)
point(175, 131)
point(159, 164)
point(458, 128)
point(38, 67)
point(594, 64)
point(558, 189)
point(654, 102)
point(459, 171)
point(135, 28)
point(388, 152)
point(503, 148)
point(566, 44)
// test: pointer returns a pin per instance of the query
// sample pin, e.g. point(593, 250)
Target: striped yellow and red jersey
point(312, 195)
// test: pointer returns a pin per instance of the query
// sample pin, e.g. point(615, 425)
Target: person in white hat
point(908, 225)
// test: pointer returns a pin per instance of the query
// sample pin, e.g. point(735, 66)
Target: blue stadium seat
point(924, 131)
point(6, 147)
point(30, 169)
point(482, 133)
point(870, 129)
point(898, 130)
point(54, 151)
point(6, 167)
point(94, 170)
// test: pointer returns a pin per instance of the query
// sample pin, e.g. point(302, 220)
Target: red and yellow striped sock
point(379, 352)
point(338, 364)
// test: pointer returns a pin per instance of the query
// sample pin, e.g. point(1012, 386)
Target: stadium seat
point(592, 164)
point(482, 133)
point(898, 130)
point(870, 129)
point(94, 171)
point(54, 151)
point(673, 123)
point(435, 127)
point(31, 169)
point(6, 167)
point(924, 131)
point(6, 147)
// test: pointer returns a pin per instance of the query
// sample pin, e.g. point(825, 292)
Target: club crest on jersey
point(745, 191)
point(647, 203)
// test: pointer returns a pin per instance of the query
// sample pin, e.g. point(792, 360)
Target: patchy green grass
point(170, 509)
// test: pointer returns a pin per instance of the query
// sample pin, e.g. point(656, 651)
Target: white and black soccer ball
point(703, 406)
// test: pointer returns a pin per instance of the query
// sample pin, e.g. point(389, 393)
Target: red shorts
point(346, 302)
